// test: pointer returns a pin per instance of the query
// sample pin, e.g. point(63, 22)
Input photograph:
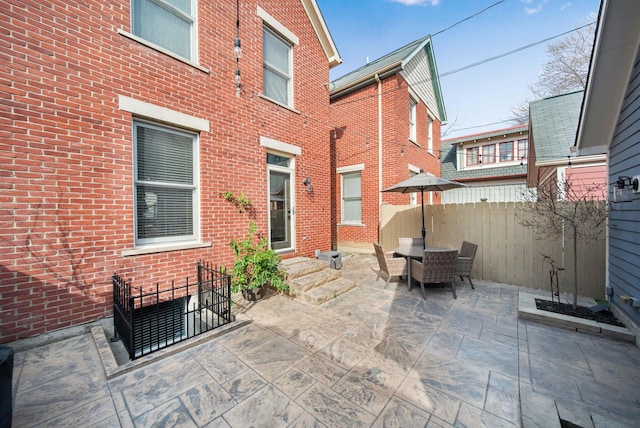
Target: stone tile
point(368, 334)
point(435, 422)
point(245, 338)
point(306, 421)
point(101, 410)
point(218, 423)
point(344, 352)
point(395, 355)
point(559, 378)
point(538, 410)
point(411, 330)
point(244, 385)
point(322, 369)
point(491, 355)
point(221, 364)
point(294, 382)
point(269, 407)
point(369, 386)
point(55, 397)
point(445, 342)
point(172, 413)
point(332, 409)
point(503, 397)
point(457, 378)
point(470, 416)
point(274, 357)
point(418, 392)
point(206, 402)
point(398, 414)
point(150, 386)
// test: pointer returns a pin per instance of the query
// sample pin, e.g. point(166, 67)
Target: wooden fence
point(508, 252)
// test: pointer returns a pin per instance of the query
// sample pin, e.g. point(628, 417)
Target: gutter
point(596, 159)
point(366, 80)
point(377, 79)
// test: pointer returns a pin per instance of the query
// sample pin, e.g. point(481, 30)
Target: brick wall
point(356, 117)
point(66, 149)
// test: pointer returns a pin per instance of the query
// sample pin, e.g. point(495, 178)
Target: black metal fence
point(152, 320)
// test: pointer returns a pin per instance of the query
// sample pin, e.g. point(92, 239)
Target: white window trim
point(287, 36)
point(350, 168)
point(152, 247)
point(279, 147)
point(291, 169)
point(413, 115)
point(413, 197)
point(277, 26)
point(162, 114)
point(194, 37)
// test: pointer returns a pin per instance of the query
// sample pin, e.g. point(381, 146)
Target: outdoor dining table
point(415, 252)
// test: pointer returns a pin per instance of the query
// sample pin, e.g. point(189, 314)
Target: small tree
point(556, 208)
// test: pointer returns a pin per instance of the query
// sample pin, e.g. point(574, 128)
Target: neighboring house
point(610, 124)
point(122, 123)
point(553, 123)
point(491, 164)
point(386, 116)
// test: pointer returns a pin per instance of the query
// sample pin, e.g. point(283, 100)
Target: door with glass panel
point(281, 209)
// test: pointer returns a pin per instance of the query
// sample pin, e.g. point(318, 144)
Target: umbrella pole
point(424, 231)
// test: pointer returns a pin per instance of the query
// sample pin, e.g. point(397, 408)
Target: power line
point(467, 18)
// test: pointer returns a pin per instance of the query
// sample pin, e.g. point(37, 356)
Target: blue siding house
point(610, 123)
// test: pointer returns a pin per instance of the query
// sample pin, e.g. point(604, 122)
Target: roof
point(488, 134)
point(388, 65)
point(320, 27)
point(614, 52)
point(553, 123)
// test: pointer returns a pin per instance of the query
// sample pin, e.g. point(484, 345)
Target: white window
point(429, 134)
point(169, 24)
point(165, 184)
point(412, 119)
point(277, 53)
point(351, 197)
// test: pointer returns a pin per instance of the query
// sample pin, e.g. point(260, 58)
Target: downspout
point(379, 153)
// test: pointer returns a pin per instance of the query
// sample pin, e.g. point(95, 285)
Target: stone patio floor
point(371, 357)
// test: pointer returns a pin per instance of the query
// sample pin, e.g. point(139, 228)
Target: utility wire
point(467, 18)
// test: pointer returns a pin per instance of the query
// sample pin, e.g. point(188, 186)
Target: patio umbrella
point(421, 183)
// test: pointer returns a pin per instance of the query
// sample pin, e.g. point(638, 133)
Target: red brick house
point(120, 128)
point(386, 117)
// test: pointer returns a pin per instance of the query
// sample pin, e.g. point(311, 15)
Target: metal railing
point(150, 320)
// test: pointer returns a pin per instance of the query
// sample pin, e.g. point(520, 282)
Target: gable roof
point(553, 123)
point(614, 51)
point(320, 27)
point(488, 134)
point(388, 65)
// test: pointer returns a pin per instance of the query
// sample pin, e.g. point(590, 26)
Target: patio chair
point(436, 267)
point(465, 261)
point(410, 242)
point(389, 265)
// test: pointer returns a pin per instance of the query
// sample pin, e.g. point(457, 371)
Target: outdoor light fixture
point(237, 48)
point(624, 187)
point(307, 182)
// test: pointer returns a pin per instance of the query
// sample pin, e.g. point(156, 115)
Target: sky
point(481, 95)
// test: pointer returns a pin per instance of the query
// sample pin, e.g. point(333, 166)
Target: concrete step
point(328, 291)
point(304, 283)
point(301, 266)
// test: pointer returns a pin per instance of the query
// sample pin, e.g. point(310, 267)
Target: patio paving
point(371, 357)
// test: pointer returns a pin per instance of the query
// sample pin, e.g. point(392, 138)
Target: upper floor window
point(169, 24)
point(506, 151)
point(489, 154)
point(165, 184)
point(472, 156)
point(277, 67)
point(412, 119)
point(523, 147)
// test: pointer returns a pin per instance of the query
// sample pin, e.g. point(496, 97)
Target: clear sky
point(476, 96)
